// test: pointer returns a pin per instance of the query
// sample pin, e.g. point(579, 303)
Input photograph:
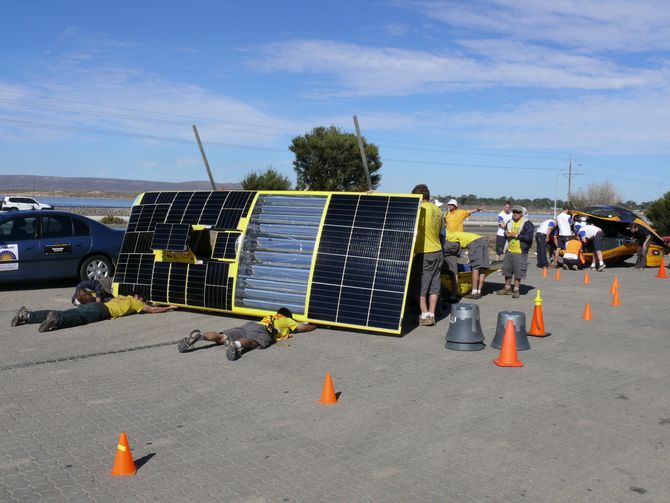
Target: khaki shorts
point(428, 266)
point(515, 264)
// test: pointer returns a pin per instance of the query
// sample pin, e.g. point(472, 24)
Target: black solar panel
point(224, 246)
point(363, 261)
point(173, 237)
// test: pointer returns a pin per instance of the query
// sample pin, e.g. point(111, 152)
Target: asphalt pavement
point(587, 418)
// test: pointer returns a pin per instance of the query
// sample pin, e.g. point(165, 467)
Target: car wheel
point(96, 267)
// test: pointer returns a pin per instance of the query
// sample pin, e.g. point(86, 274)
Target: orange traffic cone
point(587, 280)
point(615, 285)
point(537, 326)
point(557, 277)
point(545, 273)
point(661, 270)
point(508, 356)
point(123, 463)
point(328, 394)
point(615, 300)
point(587, 313)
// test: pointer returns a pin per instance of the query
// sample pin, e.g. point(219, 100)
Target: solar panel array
point(363, 261)
point(162, 214)
point(172, 237)
point(224, 246)
point(357, 276)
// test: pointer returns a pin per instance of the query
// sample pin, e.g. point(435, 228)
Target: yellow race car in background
point(619, 244)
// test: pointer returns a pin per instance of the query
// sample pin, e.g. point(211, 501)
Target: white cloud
point(370, 71)
point(593, 25)
point(600, 125)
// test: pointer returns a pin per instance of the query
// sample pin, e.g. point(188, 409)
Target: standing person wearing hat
point(427, 264)
point(454, 217)
point(519, 235)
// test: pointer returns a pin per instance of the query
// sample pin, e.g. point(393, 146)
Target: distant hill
point(43, 184)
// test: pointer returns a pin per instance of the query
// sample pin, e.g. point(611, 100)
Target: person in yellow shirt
point(84, 314)
point(455, 217)
point(519, 233)
point(478, 258)
point(427, 263)
point(251, 335)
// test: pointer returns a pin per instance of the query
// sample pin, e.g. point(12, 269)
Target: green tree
point(270, 179)
point(659, 213)
point(328, 159)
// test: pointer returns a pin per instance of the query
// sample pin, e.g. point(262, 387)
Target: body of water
point(86, 202)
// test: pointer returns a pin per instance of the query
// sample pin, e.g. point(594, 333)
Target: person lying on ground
point(84, 314)
point(478, 258)
point(92, 290)
point(251, 335)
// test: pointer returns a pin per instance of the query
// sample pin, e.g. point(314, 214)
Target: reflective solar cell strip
point(363, 261)
point(224, 246)
point(173, 237)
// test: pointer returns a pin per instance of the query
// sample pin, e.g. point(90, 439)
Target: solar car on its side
point(339, 259)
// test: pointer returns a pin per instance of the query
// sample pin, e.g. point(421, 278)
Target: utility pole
point(569, 178)
point(204, 158)
point(364, 158)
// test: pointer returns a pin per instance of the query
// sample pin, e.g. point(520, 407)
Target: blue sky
point(490, 97)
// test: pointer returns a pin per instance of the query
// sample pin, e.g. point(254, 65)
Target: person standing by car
point(643, 237)
point(592, 236)
point(519, 235)
point(545, 238)
point(564, 222)
point(503, 217)
point(427, 264)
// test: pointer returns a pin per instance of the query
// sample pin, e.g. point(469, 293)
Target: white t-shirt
point(503, 218)
point(547, 226)
point(588, 231)
point(564, 221)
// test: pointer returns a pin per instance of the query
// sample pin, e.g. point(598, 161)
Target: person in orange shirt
point(454, 217)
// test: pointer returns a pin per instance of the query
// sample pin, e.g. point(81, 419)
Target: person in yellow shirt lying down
point(478, 258)
point(251, 335)
point(84, 314)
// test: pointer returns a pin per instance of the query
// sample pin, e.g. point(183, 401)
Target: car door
point(19, 248)
point(62, 248)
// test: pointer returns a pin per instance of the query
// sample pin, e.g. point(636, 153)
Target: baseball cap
point(454, 202)
point(517, 209)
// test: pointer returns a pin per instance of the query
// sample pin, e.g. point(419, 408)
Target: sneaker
point(602, 266)
point(21, 317)
point(565, 267)
point(51, 323)
point(185, 344)
point(232, 353)
point(428, 321)
point(575, 268)
point(515, 294)
point(473, 296)
point(593, 267)
point(504, 291)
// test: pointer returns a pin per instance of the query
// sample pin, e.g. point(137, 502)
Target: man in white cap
point(454, 217)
